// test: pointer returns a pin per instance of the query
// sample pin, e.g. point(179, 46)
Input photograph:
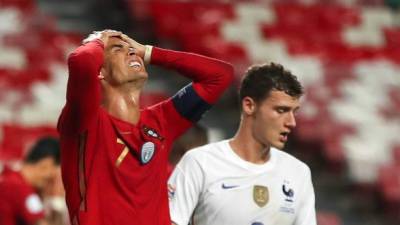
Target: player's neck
point(247, 147)
point(122, 103)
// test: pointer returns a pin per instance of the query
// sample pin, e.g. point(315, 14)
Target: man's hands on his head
point(105, 35)
point(140, 49)
point(102, 36)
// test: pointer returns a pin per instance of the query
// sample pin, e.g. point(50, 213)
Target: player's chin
point(279, 144)
point(140, 75)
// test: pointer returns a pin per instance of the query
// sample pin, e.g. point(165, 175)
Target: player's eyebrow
point(287, 108)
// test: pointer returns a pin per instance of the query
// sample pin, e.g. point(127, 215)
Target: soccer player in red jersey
point(113, 154)
point(20, 203)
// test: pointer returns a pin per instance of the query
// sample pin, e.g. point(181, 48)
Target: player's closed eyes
point(117, 47)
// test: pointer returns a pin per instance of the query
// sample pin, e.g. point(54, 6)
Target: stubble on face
point(122, 65)
point(275, 119)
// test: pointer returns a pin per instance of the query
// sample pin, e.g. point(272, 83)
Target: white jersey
point(213, 185)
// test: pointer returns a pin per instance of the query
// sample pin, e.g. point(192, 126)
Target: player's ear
point(101, 74)
point(248, 105)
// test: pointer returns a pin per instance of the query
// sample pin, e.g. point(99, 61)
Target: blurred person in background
point(194, 137)
point(248, 179)
point(54, 201)
point(21, 190)
point(115, 155)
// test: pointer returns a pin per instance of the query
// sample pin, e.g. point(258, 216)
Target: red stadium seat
point(389, 183)
point(23, 5)
point(44, 47)
point(328, 218)
point(314, 30)
point(396, 155)
point(18, 139)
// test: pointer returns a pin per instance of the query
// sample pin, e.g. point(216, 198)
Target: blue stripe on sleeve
point(189, 104)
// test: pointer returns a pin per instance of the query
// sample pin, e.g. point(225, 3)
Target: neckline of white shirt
point(268, 165)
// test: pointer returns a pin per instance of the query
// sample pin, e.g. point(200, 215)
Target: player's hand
point(140, 49)
point(105, 35)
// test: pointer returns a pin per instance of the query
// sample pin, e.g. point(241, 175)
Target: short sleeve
point(306, 214)
point(185, 186)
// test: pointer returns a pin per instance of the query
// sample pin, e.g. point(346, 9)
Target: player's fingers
point(112, 33)
point(126, 38)
point(109, 31)
point(132, 42)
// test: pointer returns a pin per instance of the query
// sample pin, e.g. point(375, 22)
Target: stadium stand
point(347, 53)
point(350, 67)
point(32, 75)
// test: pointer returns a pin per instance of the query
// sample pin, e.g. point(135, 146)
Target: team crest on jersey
point(147, 152)
point(260, 195)
point(150, 132)
point(288, 193)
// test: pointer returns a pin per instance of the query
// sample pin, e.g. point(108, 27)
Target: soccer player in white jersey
point(248, 180)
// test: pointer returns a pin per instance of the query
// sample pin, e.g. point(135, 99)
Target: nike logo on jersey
point(224, 186)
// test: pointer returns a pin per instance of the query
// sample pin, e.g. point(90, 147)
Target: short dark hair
point(44, 147)
point(260, 80)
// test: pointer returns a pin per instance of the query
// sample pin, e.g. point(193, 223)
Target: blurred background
point(345, 52)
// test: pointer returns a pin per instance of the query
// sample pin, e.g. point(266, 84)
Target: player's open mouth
point(135, 64)
point(283, 136)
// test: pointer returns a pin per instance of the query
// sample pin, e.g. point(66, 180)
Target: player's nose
point(290, 120)
point(131, 51)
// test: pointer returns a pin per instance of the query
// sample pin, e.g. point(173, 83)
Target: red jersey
point(115, 172)
point(20, 204)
